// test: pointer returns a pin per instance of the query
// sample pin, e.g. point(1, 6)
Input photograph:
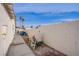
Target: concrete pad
point(18, 39)
point(20, 50)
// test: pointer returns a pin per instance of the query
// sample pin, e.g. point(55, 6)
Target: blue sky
point(45, 13)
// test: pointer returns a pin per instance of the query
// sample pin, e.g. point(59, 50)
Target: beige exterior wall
point(32, 32)
point(64, 37)
point(5, 40)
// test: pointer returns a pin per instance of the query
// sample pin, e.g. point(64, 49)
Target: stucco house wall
point(6, 39)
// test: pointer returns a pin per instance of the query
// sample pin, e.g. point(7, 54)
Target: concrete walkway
point(19, 48)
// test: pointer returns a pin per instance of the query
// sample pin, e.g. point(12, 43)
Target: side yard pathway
point(19, 48)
